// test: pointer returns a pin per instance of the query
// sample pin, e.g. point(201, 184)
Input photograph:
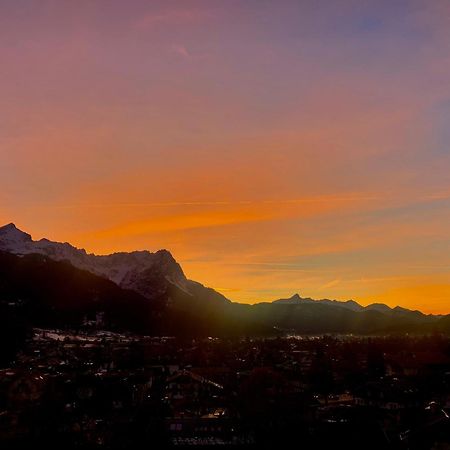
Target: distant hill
point(351, 305)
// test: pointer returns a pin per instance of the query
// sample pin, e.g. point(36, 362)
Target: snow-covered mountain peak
point(12, 239)
point(10, 230)
point(136, 270)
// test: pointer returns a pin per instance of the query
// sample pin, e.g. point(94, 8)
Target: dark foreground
point(103, 390)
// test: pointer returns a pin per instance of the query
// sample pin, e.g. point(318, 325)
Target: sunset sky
point(272, 146)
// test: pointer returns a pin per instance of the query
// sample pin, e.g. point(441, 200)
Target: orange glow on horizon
point(271, 149)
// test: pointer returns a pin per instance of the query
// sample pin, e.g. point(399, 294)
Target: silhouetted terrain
point(37, 291)
point(186, 306)
point(84, 361)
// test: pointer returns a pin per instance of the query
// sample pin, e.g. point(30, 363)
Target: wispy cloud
point(225, 213)
point(171, 17)
point(181, 50)
point(177, 222)
point(330, 284)
point(321, 199)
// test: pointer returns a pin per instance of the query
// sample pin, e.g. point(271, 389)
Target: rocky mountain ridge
point(158, 277)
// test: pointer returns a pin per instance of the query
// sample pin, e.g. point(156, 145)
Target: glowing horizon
point(272, 147)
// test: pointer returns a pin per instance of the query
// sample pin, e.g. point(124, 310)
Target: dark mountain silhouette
point(43, 283)
point(351, 305)
point(39, 292)
point(51, 293)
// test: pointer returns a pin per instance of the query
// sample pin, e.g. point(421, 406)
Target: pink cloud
point(182, 51)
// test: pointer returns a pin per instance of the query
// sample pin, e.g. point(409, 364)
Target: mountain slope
point(36, 291)
point(44, 292)
point(150, 274)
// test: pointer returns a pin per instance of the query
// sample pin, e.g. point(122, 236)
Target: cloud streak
point(172, 17)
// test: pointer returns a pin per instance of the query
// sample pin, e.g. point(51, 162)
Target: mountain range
point(57, 284)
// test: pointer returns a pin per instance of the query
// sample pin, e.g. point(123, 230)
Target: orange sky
point(272, 147)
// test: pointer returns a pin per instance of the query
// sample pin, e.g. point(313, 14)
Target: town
point(93, 389)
